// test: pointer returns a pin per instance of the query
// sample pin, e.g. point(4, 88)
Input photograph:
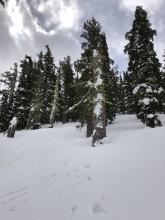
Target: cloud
point(47, 17)
point(17, 28)
point(52, 16)
point(152, 5)
point(28, 25)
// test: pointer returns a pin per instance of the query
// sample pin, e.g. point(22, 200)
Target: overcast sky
point(26, 26)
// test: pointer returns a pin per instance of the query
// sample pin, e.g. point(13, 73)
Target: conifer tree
point(5, 115)
point(55, 105)
point(120, 96)
point(144, 68)
point(41, 105)
point(9, 80)
point(36, 109)
point(163, 82)
point(48, 85)
point(93, 36)
point(128, 94)
point(25, 91)
point(66, 75)
point(109, 80)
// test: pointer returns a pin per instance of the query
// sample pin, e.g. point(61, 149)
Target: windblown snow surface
point(55, 174)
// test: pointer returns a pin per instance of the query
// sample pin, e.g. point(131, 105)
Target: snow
point(95, 53)
point(13, 122)
point(136, 89)
point(142, 85)
point(146, 101)
point(149, 90)
point(55, 174)
point(98, 107)
point(160, 90)
point(150, 116)
point(99, 81)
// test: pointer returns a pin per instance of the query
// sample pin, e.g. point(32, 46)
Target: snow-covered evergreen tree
point(93, 36)
point(55, 105)
point(67, 89)
point(5, 115)
point(129, 98)
point(36, 109)
point(48, 85)
point(144, 69)
point(163, 82)
point(25, 91)
point(109, 79)
point(120, 96)
point(8, 80)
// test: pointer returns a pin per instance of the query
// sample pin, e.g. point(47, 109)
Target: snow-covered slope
point(54, 174)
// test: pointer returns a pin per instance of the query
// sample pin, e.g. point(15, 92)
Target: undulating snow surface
point(55, 174)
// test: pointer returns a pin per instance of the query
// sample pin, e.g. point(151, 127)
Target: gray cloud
point(28, 25)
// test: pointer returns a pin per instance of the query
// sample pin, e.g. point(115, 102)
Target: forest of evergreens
point(90, 90)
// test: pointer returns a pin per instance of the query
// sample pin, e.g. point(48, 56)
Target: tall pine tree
point(9, 80)
point(48, 85)
point(36, 109)
point(121, 109)
point(66, 75)
point(92, 38)
point(144, 68)
point(25, 91)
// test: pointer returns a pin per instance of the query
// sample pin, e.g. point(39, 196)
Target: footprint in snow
point(98, 208)
point(13, 209)
point(102, 206)
point(87, 166)
point(106, 199)
point(66, 162)
point(74, 170)
point(14, 194)
point(49, 177)
point(74, 209)
point(26, 200)
point(89, 178)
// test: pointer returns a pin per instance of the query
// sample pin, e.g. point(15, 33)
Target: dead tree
point(12, 127)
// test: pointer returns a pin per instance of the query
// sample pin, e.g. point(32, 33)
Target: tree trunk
point(89, 127)
point(99, 134)
point(12, 128)
point(11, 132)
point(64, 118)
point(51, 120)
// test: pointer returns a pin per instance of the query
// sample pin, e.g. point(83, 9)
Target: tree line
point(90, 90)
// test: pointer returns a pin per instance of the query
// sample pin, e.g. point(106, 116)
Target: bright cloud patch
point(68, 15)
point(47, 17)
point(17, 28)
point(59, 14)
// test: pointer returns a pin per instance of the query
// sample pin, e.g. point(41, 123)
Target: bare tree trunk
point(99, 132)
point(12, 128)
point(52, 118)
point(11, 132)
point(89, 127)
point(64, 118)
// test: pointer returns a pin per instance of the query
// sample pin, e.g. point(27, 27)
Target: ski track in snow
point(55, 174)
